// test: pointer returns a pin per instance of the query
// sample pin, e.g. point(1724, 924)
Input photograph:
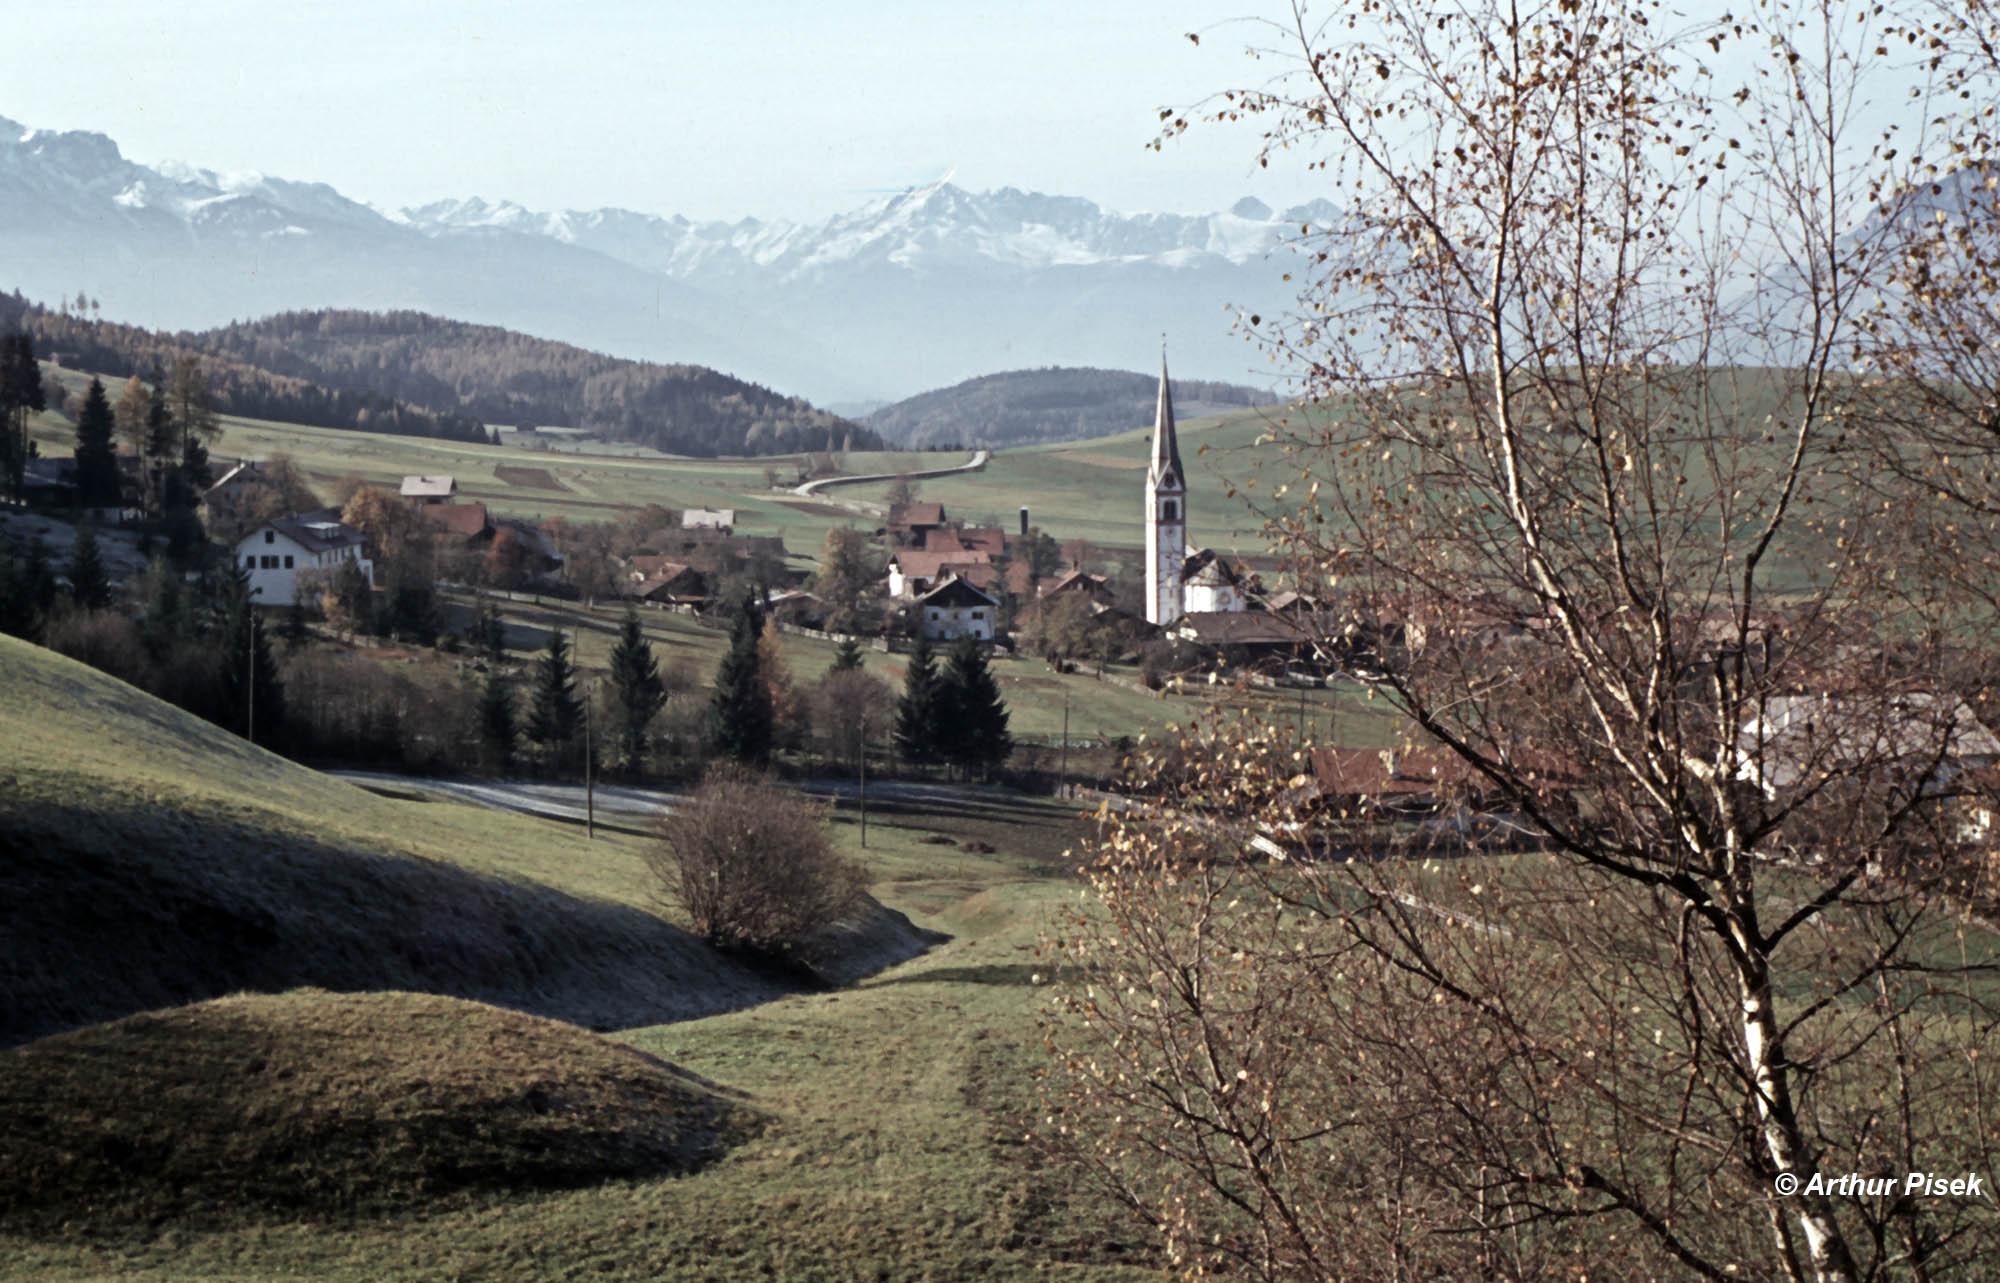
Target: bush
point(750, 863)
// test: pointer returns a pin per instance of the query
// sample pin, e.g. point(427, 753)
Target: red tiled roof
point(905, 515)
point(466, 520)
point(922, 563)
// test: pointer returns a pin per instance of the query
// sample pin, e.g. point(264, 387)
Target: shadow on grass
point(103, 914)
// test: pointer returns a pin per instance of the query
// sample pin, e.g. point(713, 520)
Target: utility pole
point(863, 768)
point(589, 780)
point(1063, 784)
point(250, 675)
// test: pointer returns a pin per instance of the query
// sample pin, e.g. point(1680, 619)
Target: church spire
point(1166, 449)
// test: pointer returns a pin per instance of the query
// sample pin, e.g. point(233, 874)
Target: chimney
point(1024, 522)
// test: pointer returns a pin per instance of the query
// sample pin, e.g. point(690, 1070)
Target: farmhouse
point(428, 490)
point(914, 572)
point(957, 608)
point(290, 558)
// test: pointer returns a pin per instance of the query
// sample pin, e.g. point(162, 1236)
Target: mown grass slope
point(313, 1104)
point(149, 859)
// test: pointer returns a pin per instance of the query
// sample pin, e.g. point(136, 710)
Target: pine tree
point(89, 586)
point(917, 710)
point(96, 455)
point(555, 713)
point(739, 716)
point(20, 394)
point(168, 620)
point(972, 717)
point(496, 718)
point(846, 657)
point(159, 446)
point(27, 589)
point(636, 685)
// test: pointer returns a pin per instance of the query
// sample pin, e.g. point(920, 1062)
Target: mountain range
point(912, 291)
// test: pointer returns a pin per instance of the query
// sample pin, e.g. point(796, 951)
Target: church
point(1178, 584)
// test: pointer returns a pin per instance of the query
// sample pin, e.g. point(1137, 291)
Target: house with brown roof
point(910, 523)
point(914, 571)
point(467, 523)
point(957, 608)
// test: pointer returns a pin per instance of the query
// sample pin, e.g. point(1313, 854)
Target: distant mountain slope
point(913, 290)
point(1026, 407)
point(424, 376)
point(503, 377)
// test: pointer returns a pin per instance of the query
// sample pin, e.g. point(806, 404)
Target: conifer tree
point(27, 589)
point(96, 455)
point(555, 714)
point(846, 656)
point(496, 718)
point(20, 395)
point(159, 445)
point(638, 690)
point(739, 716)
point(972, 718)
point(917, 709)
point(89, 586)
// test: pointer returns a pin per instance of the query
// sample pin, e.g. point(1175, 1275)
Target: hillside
point(1031, 407)
point(149, 859)
point(314, 1104)
point(418, 375)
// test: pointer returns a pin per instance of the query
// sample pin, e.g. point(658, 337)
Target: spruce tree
point(635, 682)
point(20, 395)
point(89, 587)
point(739, 715)
point(555, 714)
point(917, 709)
point(973, 718)
point(846, 656)
point(27, 589)
point(496, 718)
point(160, 443)
point(96, 455)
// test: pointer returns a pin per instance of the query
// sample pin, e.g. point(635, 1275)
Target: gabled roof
point(956, 590)
point(1209, 567)
point(649, 565)
point(904, 516)
point(466, 520)
point(313, 531)
point(921, 563)
point(1076, 581)
point(245, 471)
point(429, 487)
point(708, 519)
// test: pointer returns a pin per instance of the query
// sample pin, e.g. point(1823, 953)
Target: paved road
point(634, 807)
point(978, 461)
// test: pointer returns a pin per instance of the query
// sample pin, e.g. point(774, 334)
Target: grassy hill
point(149, 859)
point(1026, 407)
point(312, 1103)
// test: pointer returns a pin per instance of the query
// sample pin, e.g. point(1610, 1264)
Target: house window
point(270, 536)
point(288, 561)
point(934, 616)
point(250, 561)
point(978, 614)
point(270, 563)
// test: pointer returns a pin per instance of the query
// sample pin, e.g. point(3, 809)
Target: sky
point(716, 109)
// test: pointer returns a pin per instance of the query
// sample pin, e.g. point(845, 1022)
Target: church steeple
point(1166, 513)
point(1166, 449)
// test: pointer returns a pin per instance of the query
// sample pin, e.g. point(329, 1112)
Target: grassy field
point(890, 1115)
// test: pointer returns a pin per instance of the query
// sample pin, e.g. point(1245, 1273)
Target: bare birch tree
point(1684, 950)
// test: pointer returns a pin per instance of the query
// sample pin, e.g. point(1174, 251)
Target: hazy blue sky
point(714, 109)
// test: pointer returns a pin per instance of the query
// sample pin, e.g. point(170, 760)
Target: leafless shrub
point(750, 863)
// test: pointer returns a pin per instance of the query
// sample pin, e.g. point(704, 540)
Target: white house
point(1212, 584)
point(428, 490)
point(954, 609)
point(282, 551)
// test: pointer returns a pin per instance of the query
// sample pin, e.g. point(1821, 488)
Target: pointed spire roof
point(1166, 449)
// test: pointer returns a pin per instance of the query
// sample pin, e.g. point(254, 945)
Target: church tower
point(1166, 513)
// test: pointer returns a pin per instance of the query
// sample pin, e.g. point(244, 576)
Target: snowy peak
point(925, 228)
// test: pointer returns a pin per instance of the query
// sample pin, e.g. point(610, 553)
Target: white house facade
point(281, 553)
point(956, 608)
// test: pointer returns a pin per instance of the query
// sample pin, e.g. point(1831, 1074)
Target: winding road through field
point(974, 464)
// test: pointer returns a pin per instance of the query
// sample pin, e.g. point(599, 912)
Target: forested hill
point(501, 376)
point(234, 387)
point(1021, 407)
point(422, 375)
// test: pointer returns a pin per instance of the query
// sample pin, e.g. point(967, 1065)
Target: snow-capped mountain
point(911, 291)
